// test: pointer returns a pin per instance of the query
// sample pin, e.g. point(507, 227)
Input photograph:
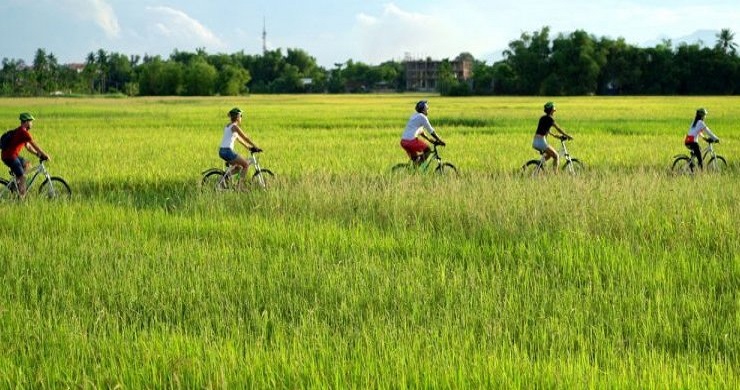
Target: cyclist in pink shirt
point(417, 149)
point(697, 129)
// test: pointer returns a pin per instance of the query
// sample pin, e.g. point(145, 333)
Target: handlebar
point(563, 137)
point(712, 140)
point(254, 149)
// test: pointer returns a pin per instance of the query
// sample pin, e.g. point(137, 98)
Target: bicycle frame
point(53, 186)
point(686, 163)
point(433, 156)
point(224, 176)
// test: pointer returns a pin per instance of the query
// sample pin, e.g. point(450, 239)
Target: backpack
point(5, 139)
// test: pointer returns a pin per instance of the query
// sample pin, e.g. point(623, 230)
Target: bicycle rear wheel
point(717, 164)
point(574, 167)
point(7, 189)
point(533, 168)
point(262, 178)
point(401, 168)
point(55, 188)
point(215, 180)
point(682, 165)
point(445, 169)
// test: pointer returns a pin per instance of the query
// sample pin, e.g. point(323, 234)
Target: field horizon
point(345, 275)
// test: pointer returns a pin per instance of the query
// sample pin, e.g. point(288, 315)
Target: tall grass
point(343, 275)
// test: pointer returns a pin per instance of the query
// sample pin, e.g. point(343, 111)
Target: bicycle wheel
point(574, 167)
point(445, 169)
point(533, 168)
point(717, 164)
point(402, 168)
point(55, 188)
point(215, 180)
point(262, 178)
point(683, 165)
point(7, 189)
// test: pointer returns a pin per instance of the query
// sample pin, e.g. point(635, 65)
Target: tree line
point(577, 63)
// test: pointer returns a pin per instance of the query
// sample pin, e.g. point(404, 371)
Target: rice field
point(343, 275)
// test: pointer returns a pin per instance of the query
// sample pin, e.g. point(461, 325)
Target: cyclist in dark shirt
point(546, 123)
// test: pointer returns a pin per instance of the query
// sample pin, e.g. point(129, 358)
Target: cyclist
point(698, 128)
point(232, 133)
point(417, 149)
point(544, 126)
point(21, 137)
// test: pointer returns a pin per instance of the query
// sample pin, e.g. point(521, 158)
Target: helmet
point(25, 116)
point(702, 111)
point(549, 107)
point(422, 106)
point(235, 111)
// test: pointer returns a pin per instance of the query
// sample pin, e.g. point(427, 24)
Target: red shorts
point(413, 147)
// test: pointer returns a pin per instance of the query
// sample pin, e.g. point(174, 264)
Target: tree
point(233, 80)
point(725, 42)
point(160, 78)
point(576, 63)
point(45, 70)
point(199, 78)
point(621, 71)
point(528, 58)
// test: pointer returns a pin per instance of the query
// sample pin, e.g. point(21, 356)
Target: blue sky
point(370, 31)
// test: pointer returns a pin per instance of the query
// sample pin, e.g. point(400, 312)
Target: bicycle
point(221, 180)
point(52, 187)
point(571, 165)
point(685, 164)
point(441, 167)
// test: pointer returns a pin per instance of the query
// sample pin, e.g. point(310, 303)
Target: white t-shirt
point(230, 136)
point(415, 125)
point(696, 129)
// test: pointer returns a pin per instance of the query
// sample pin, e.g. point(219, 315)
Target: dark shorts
point(16, 165)
point(227, 154)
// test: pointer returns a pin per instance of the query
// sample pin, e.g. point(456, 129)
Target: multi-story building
point(422, 75)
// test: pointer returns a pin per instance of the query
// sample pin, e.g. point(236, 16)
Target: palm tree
point(725, 42)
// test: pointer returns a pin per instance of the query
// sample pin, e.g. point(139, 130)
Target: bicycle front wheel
point(717, 164)
point(533, 168)
point(215, 180)
point(262, 178)
point(445, 169)
point(55, 188)
point(574, 167)
point(683, 165)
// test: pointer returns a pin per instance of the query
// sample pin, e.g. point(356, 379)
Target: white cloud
point(99, 11)
point(179, 28)
point(397, 33)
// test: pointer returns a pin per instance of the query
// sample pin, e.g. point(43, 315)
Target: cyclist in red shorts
point(417, 149)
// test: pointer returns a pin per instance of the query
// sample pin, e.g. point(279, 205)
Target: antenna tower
point(264, 36)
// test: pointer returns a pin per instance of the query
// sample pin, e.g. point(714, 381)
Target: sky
point(369, 31)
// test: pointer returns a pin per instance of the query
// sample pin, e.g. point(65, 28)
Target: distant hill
point(707, 38)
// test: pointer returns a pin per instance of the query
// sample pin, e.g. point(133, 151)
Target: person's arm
point(428, 126)
point(709, 134)
point(561, 131)
point(35, 149)
point(243, 139)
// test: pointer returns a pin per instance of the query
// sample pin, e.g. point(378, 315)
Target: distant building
point(76, 67)
point(422, 75)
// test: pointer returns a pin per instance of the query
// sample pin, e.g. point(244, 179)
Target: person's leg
point(551, 153)
point(241, 165)
point(18, 167)
point(696, 151)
